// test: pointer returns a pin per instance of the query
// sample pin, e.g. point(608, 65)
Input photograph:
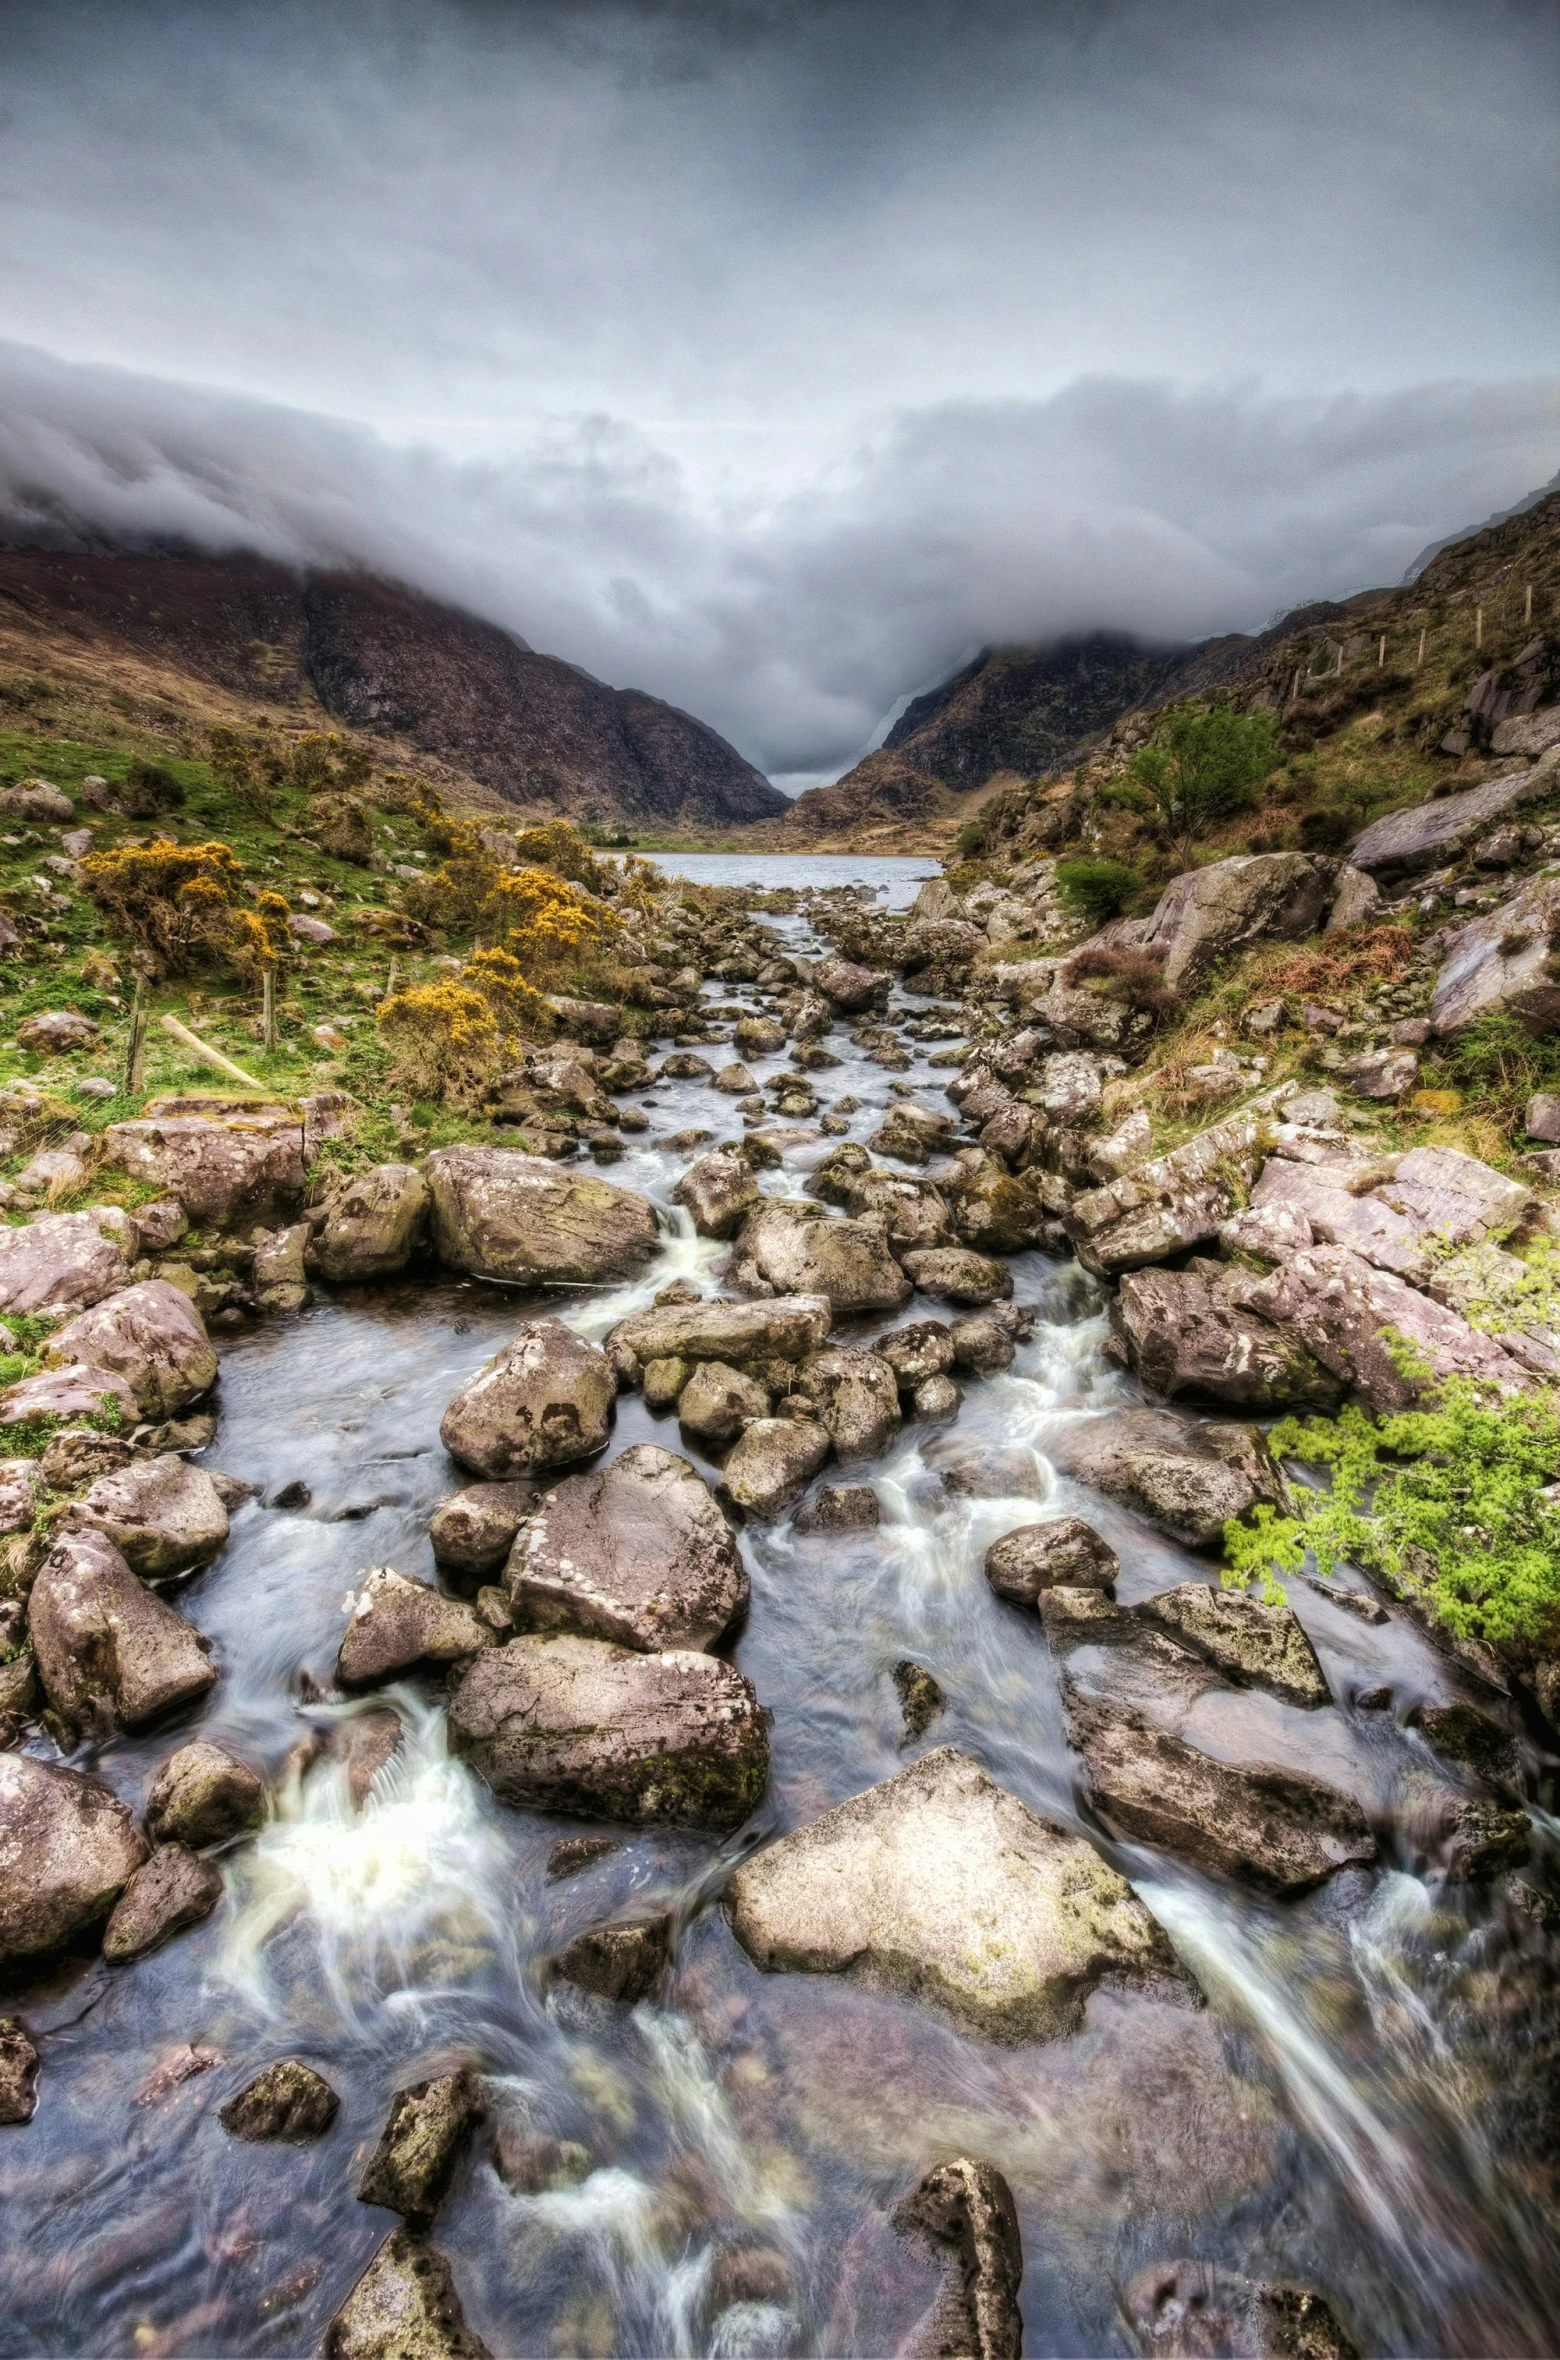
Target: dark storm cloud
point(772, 354)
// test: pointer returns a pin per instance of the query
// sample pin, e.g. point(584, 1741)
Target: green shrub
point(1447, 1503)
point(1097, 889)
point(1201, 766)
point(1498, 1063)
point(970, 842)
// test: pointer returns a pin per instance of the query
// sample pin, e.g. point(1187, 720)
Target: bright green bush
point(1098, 890)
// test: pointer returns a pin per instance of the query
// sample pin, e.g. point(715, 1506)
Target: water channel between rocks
point(1331, 2116)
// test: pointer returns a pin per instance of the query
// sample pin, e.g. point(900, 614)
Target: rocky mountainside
point(535, 732)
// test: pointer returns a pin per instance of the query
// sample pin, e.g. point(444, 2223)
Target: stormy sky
point(772, 356)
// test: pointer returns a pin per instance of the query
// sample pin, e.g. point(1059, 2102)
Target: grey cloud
point(793, 626)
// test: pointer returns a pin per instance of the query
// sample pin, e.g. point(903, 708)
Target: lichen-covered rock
point(855, 1395)
point(1427, 834)
point(287, 2100)
point(912, 1133)
point(164, 1515)
point(18, 2073)
point(738, 1333)
point(968, 2205)
point(1190, 2310)
point(957, 1274)
point(404, 2307)
point(802, 1250)
point(714, 1403)
point(172, 1891)
point(229, 1170)
point(108, 1651)
point(1064, 1553)
point(1263, 1646)
point(994, 1210)
point(544, 1401)
point(60, 1262)
point(639, 1553)
point(203, 1795)
point(398, 1624)
point(1192, 1334)
point(941, 1885)
point(502, 1215)
point(772, 1462)
point(68, 1848)
point(621, 1962)
point(1187, 1479)
point(473, 1531)
point(841, 1507)
point(849, 986)
point(57, 1032)
point(1355, 1320)
point(910, 1212)
point(981, 1347)
point(153, 1337)
point(1205, 912)
point(1502, 964)
point(72, 1393)
point(372, 1225)
point(578, 1725)
point(914, 1353)
point(428, 2128)
point(718, 1192)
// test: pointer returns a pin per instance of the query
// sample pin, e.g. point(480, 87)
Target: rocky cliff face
point(540, 733)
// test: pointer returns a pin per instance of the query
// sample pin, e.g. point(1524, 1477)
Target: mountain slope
point(537, 733)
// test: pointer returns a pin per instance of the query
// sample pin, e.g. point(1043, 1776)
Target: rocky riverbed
point(671, 1774)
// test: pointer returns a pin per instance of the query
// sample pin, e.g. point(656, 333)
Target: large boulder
point(1190, 1334)
point(399, 1625)
point(800, 1249)
point(639, 1553)
point(107, 1650)
point(941, 1885)
point(1064, 1553)
point(229, 1169)
point(544, 1401)
point(718, 1192)
point(1429, 834)
point(1405, 1214)
point(371, 1224)
point(152, 1336)
point(61, 1262)
point(404, 2307)
point(739, 1333)
point(164, 1515)
point(577, 1725)
point(1188, 1480)
point(501, 1215)
point(855, 1395)
point(1175, 1201)
point(1502, 964)
point(1356, 1320)
point(68, 1848)
point(203, 1795)
point(772, 1462)
point(1206, 912)
point(994, 1210)
point(849, 986)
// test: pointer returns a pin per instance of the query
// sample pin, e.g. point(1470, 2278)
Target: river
point(1338, 2114)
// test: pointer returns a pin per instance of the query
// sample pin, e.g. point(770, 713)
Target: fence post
point(1527, 607)
point(1478, 626)
point(268, 1007)
point(390, 981)
point(1381, 652)
point(1419, 659)
point(135, 1059)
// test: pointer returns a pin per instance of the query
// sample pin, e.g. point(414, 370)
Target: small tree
point(1202, 765)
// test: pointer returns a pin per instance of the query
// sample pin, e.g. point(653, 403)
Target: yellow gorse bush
point(445, 1039)
point(172, 903)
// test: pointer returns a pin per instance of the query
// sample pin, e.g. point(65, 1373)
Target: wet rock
point(1065, 1553)
point(574, 1853)
point(639, 1554)
point(920, 1698)
point(18, 2073)
point(229, 1170)
point(164, 1515)
point(1174, 1201)
point(1188, 1480)
point(992, 1209)
point(68, 1848)
point(1193, 1334)
point(736, 1081)
point(362, 1744)
point(912, 1133)
point(969, 2206)
point(530, 2163)
point(1427, 834)
point(577, 1725)
point(911, 1213)
point(1354, 1320)
point(1195, 2311)
point(372, 1225)
point(543, 1401)
point(955, 1274)
point(737, 1333)
point(1483, 1841)
point(472, 1532)
point(427, 2130)
point(799, 1249)
point(758, 1036)
point(855, 1395)
point(772, 1463)
point(1255, 1645)
point(935, 1400)
point(716, 1402)
point(202, 1795)
point(840, 1507)
point(399, 1624)
point(108, 1651)
point(849, 986)
point(1502, 963)
point(914, 1353)
point(173, 1891)
point(1464, 1732)
point(980, 1346)
point(719, 1191)
point(286, 2101)
point(60, 1262)
point(940, 1885)
point(404, 2307)
point(150, 1335)
point(498, 1214)
point(839, 1172)
point(622, 1962)
point(664, 1381)
point(1205, 912)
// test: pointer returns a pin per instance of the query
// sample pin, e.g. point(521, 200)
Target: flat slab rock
point(941, 1885)
point(639, 1554)
point(580, 1726)
point(721, 1330)
point(1186, 1479)
point(499, 1214)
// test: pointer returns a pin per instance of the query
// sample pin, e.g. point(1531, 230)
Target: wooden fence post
point(1478, 626)
point(1419, 659)
point(135, 1059)
point(1527, 605)
point(268, 1007)
point(1381, 652)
